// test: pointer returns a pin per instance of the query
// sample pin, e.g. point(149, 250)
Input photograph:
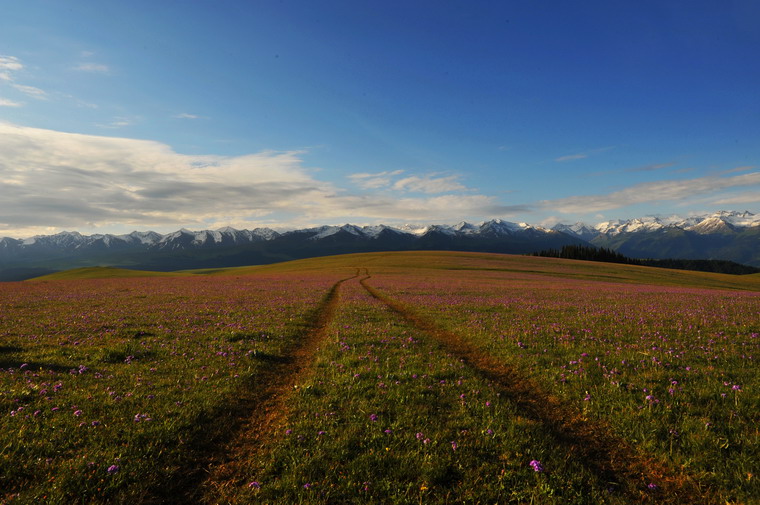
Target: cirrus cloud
point(374, 180)
point(648, 192)
point(11, 64)
point(429, 184)
point(97, 68)
point(9, 103)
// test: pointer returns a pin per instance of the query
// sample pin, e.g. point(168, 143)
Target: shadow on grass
point(33, 366)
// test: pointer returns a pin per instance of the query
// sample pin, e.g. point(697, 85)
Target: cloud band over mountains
point(52, 181)
point(60, 180)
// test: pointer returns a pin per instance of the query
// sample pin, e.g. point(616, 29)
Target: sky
point(145, 115)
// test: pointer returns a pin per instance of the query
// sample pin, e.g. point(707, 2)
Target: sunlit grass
point(112, 386)
point(107, 387)
point(387, 416)
point(672, 370)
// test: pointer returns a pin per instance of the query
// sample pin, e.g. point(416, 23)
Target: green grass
point(387, 416)
point(99, 273)
point(131, 374)
point(147, 375)
point(671, 370)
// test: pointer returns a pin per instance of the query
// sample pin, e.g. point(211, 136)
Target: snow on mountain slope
point(629, 226)
point(719, 222)
point(723, 222)
point(580, 230)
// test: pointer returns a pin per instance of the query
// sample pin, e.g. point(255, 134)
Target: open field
point(382, 378)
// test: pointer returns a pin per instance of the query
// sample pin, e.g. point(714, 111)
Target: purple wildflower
point(113, 469)
point(537, 466)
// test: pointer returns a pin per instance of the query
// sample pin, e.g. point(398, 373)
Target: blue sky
point(116, 116)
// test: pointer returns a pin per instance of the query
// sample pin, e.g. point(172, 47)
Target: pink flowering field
point(108, 386)
point(382, 378)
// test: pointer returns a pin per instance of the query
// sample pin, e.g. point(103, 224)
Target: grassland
point(382, 378)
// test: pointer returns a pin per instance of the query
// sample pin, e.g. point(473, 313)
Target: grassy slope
point(394, 261)
point(123, 325)
point(553, 267)
point(99, 273)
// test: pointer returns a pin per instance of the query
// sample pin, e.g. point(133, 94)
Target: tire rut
point(242, 429)
point(609, 457)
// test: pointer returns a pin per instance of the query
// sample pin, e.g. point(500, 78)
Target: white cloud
point(56, 180)
point(185, 115)
point(750, 197)
point(429, 184)
point(118, 122)
point(9, 103)
point(31, 91)
point(745, 168)
point(571, 157)
point(93, 67)
point(652, 167)
point(10, 63)
point(386, 208)
point(374, 180)
point(63, 179)
point(659, 191)
point(580, 156)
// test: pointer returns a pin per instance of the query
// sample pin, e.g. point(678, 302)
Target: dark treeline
point(591, 253)
point(588, 253)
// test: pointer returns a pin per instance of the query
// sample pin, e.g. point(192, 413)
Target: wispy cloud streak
point(659, 191)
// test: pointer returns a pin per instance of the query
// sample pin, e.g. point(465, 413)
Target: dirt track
point(609, 457)
point(246, 427)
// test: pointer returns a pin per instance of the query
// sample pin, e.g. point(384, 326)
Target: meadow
point(382, 378)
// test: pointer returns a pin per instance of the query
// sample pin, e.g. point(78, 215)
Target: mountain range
point(732, 236)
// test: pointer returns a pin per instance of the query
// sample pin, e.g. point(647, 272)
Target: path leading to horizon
point(263, 410)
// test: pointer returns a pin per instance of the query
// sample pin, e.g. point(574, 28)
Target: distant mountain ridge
point(186, 239)
point(725, 235)
point(721, 221)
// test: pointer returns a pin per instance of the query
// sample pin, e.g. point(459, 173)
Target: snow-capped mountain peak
point(580, 230)
point(726, 235)
point(465, 227)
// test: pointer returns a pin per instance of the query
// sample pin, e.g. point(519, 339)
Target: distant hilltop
point(725, 235)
